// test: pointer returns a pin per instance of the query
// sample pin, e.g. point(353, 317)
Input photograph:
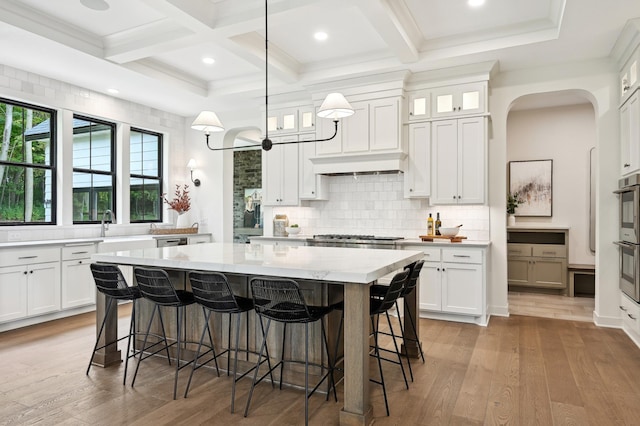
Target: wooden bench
point(579, 269)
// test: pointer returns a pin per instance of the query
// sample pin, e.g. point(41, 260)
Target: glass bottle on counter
point(438, 223)
point(430, 225)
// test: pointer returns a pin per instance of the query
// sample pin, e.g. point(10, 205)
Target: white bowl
point(449, 232)
point(293, 231)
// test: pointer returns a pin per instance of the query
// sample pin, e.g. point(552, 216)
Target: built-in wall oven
point(629, 236)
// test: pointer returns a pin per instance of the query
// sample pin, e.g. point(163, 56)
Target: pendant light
point(334, 106)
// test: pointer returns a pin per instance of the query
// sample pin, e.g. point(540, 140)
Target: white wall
point(565, 135)
point(597, 81)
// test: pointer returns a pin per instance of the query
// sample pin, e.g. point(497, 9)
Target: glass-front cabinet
point(456, 100)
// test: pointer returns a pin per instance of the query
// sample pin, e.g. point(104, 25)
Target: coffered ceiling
point(152, 50)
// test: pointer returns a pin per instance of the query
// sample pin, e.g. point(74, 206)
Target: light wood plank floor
point(551, 306)
point(519, 371)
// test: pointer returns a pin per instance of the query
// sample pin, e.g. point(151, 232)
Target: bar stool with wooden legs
point(110, 282)
point(156, 286)
point(379, 290)
point(212, 291)
point(281, 300)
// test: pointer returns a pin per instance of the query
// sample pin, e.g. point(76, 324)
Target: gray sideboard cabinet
point(537, 257)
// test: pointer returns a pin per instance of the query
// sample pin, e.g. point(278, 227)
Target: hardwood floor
point(520, 370)
point(551, 306)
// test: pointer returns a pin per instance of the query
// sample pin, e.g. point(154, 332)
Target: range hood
point(360, 163)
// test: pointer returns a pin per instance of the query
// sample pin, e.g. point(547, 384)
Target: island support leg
point(357, 407)
point(410, 344)
point(111, 354)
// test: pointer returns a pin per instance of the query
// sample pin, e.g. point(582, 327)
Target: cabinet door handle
point(461, 255)
point(626, 165)
point(548, 252)
point(631, 316)
point(80, 252)
point(623, 308)
point(27, 257)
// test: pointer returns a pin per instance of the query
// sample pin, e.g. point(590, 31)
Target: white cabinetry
point(417, 176)
point(630, 135)
point(457, 100)
point(311, 185)
point(419, 105)
point(458, 172)
point(373, 128)
point(291, 120)
point(280, 173)
point(630, 313)
point(629, 76)
point(453, 283)
point(78, 287)
point(199, 239)
point(29, 282)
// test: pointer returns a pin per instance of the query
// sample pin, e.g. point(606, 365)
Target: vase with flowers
point(513, 201)
point(181, 204)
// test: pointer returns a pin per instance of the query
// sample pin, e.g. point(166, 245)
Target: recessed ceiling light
point(113, 91)
point(320, 36)
point(208, 60)
point(95, 4)
point(475, 3)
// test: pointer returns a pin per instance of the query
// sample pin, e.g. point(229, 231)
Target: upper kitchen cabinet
point(311, 185)
point(458, 164)
point(417, 176)
point(630, 135)
point(458, 100)
point(280, 173)
point(374, 127)
point(291, 120)
point(629, 77)
point(418, 105)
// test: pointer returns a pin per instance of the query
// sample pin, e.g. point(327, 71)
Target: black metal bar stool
point(377, 306)
point(281, 300)
point(378, 290)
point(156, 286)
point(110, 282)
point(212, 291)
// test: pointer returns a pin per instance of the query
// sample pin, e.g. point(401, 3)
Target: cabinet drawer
point(462, 256)
point(549, 250)
point(431, 254)
point(27, 256)
point(79, 251)
point(630, 313)
point(515, 249)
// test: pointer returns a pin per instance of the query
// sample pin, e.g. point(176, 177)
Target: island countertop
point(312, 263)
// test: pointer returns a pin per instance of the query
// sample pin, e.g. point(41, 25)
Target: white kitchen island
point(355, 269)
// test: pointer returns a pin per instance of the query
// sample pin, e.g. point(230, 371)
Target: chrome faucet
point(104, 226)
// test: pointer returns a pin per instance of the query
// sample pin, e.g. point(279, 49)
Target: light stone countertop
point(81, 241)
point(399, 243)
point(301, 262)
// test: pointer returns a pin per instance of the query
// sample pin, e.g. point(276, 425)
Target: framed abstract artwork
point(532, 181)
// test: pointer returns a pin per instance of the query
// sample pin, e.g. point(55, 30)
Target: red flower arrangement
point(181, 202)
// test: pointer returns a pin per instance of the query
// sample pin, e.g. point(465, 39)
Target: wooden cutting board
point(456, 239)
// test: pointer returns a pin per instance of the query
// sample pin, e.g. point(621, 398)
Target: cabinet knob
point(313, 192)
point(31, 271)
point(410, 189)
point(454, 197)
point(410, 112)
point(80, 261)
point(25, 272)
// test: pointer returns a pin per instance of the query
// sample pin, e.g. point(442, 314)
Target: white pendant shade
point(207, 121)
point(335, 106)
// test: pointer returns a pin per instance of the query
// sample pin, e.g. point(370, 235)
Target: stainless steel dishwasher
point(168, 242)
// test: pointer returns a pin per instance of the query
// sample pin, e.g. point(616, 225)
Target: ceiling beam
point(394, 24)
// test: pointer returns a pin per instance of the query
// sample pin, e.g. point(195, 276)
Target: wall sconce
point(192, 165)
point(207, 122)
